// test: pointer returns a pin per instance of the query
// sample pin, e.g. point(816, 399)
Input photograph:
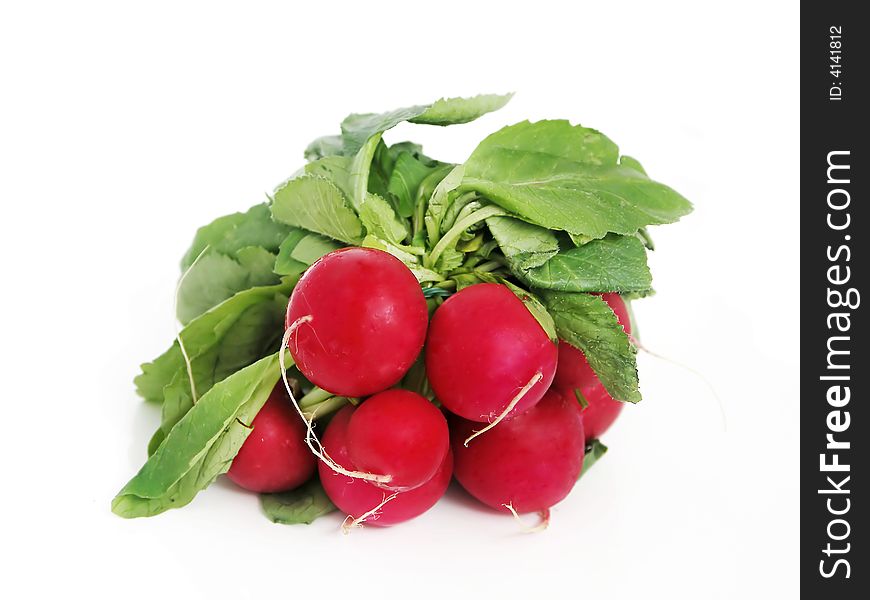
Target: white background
point(122, 129)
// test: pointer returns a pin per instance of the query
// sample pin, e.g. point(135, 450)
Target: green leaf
point(568, 177)
point(356, 129)
point(202, 444)
point(328, 145)
point(245, 337)
point(230, 233)
point(613, 264)
point(302, 505)
point(523, 244)
point(586, 322)
point(538, 310)
point(300, 250)
point(336, 169)
point(318, 205)
point(440, 201)
point(216, 276)
point(407, 175)
point(594, 451)
point(453, 111)
point(219, 342)
point(381, 221)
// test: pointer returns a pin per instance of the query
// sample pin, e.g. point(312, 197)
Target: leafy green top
point(548, 208)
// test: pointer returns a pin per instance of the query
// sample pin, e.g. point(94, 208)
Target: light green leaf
point(216, 276)
point(300, 250)
point(453, 111)
point(439, 203)
point(357, 128)
point(568, 177)
point(523, 244)
point(219, 342)
point(538, 310)
point(230, 233)
point(328, 145)
point(202, 444)
point(336, 169)
point(586, 322)
point(613, 264)
point(302, 505)
point(381, 221)
point(318, 205)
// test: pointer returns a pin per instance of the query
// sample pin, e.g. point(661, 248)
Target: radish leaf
point(202, 444)
point(230, 336)
point(568, 177)
point(586, 322)
point(318, 205)
point(230, 233)
point(216, 276)
point(612, 264)
point(302, 505)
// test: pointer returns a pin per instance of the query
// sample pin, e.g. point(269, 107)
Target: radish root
point(371, 514)
point(520, 395)
point(310, 438)
point(184, 355)
point(543, 514)
point(691, 370)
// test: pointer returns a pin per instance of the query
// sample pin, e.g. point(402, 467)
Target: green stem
point(315, 396)
point(327, 407)
point(488, 266)
point(454, 232)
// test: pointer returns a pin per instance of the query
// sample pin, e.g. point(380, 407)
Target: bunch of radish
point(388, 323)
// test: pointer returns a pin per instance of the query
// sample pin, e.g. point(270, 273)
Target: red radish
point(274, 457)
point(358, 319)
point(356, 497)
point(401, 434)
point(574, 373)
point(529, 462)
point(484, 347)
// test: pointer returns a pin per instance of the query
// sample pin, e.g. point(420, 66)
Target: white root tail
point(516, 399)
point(543, 514)
point(358, 522)
point(184, 354)
point(310, 438)
point(691, 370)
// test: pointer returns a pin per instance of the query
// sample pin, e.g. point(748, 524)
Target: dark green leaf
point(594, 451)
point(407, 175)
point(586, 322)
point(302, 505)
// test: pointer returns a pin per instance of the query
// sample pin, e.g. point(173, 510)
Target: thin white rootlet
point(516, 399)
point(311, 439)
point(358, 522)
point(545, 519)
